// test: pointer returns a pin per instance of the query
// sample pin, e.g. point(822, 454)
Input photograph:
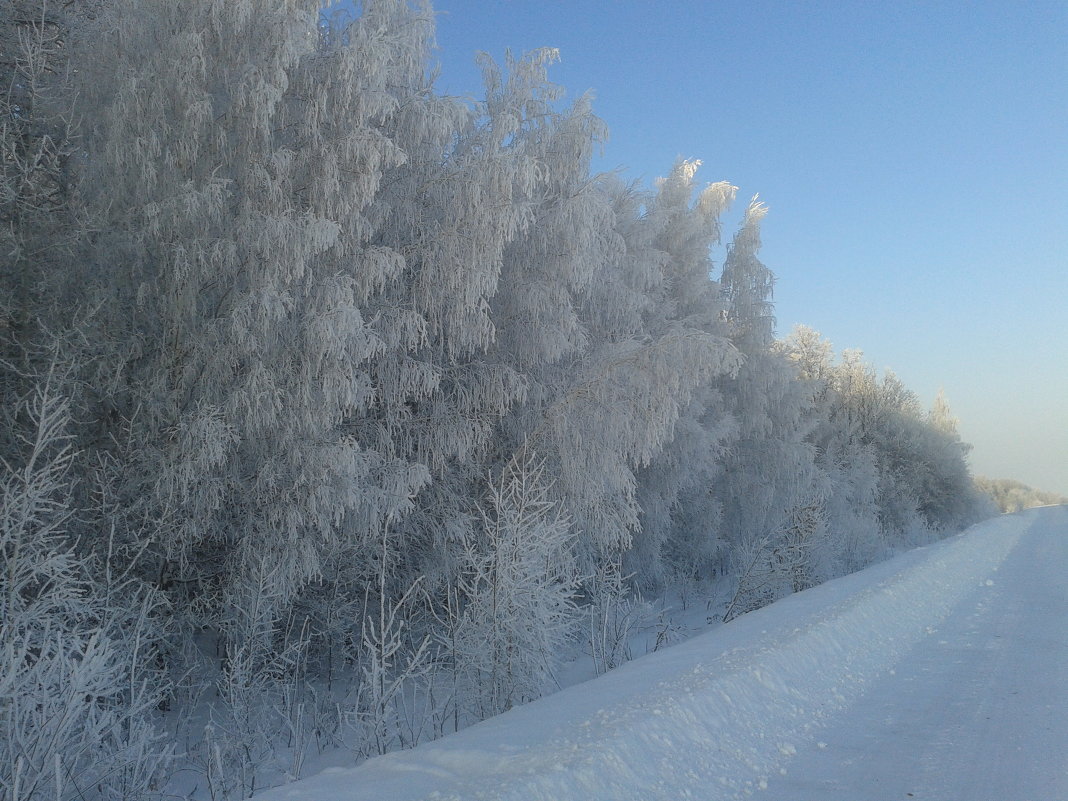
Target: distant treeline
point(1012, 496)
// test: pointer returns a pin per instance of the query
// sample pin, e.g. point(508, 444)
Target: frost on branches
point(340, 411)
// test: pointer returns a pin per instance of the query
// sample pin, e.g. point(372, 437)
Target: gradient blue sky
point(913, 156)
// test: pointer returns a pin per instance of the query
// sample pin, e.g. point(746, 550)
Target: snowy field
point(937, 675)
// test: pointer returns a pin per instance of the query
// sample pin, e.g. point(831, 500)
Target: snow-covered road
point(938, 675)
point(978, 713)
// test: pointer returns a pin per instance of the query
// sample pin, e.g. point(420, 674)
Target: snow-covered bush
point(77, 637)
point(514, 608)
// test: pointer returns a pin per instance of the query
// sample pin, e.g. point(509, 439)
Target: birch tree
point(769, 484)
point(233, 160)
point(680, 535)
point(610, 407)
point(849, 473)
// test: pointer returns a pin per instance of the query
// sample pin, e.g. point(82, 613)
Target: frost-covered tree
point(39, 224)
point(457, 210)
point(948, 498)
point(311, 304)
point(849, 474)
point(233, 157)
point(1013, 496)
point(679, 535)
point(894, 474)
point(513, 605)
point(747, 286)
point(886, 417)
point(77, 684)
point(613, 405)
point(770, 490)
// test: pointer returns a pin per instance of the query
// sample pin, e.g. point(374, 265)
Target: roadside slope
point(715, 717)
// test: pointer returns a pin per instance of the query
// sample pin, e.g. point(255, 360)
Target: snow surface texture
point(979, 713)
point(779, 700)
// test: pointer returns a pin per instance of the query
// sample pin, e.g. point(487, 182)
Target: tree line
point(337, 410)
point(1014, 496)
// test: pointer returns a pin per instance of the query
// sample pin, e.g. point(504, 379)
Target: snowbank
point(724, 710)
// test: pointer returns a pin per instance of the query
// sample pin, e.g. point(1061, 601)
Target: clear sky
point(914, 156)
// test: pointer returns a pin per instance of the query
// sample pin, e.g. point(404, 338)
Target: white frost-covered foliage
point(312, 304)
point(75, 635)
point(608, 407)
point(512, 607)
point(893, 475)
point(770, 488)
point(680, 520)
point(1014, 496)
point(232, 165)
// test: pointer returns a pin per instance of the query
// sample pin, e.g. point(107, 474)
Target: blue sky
point(913, 156)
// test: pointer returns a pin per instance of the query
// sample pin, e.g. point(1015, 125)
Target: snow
point(937, 675)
